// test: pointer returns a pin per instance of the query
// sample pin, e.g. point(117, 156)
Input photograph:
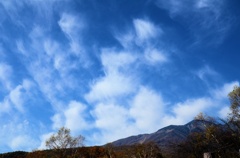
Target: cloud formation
point(200, 16)
point(100, 71)
point(5, 76)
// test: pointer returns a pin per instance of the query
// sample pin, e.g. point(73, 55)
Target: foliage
point(220, 137)
point(234, 98)
point(146, 150)
point(16, 154)
point(149, 150)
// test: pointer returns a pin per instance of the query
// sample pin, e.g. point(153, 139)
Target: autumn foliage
point(149, 150)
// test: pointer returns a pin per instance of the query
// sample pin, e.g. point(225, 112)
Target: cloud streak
point(200, 16)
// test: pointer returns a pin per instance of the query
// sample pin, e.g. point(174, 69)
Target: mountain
point(172, 134)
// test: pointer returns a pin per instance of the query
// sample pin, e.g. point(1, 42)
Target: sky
point(110, 69)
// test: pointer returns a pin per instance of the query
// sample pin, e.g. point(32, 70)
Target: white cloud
point(214, 5)
point(19, 143)
point(75, 113)
point(206, 71)
point(140, 34)
point(61, 59)
point(204, 18)
point(43, 138)
point(177, 8)
point(5, 105)
point(48, 81)
point(72, 26)
point(51, 47)
point(110, 86)
point(223, 92)
point(208, 76)
point(41, 9)
point(142, 114)
point(58, 120)
point(21, 48)
point(147, 109)
point(202, 3)
point(17, 97)
point(186, 111)
point(73, 116)
point(16, 132)
point(116, 82)
point(52, 64)
point(145, 29)
point(173, 6)
point(112, 121)
point(110, 116)
point(113, 60)
point(127, 39)
point(5, 75)
point(223, 112)
point(154, 56)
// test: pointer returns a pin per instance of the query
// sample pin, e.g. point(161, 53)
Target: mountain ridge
point(166, 135)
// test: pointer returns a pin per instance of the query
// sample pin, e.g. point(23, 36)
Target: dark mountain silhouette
point(166, 136)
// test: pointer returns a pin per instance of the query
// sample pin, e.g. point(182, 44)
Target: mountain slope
point(166, 136)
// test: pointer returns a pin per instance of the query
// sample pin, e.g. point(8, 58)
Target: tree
point(63, 143)
point(220, 137)
point(63, 140)
point(234, 98)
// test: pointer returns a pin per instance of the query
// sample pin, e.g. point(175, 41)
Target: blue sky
point(110, 69)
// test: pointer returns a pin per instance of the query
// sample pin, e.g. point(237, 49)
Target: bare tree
point(62, 142)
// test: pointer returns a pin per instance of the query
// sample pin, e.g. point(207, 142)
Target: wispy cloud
point(52, 64)
point(200, 16)
point(18, 132)
point(145, 30)
point(17, 98)
point(206, 71)
point(19, 95)
point(144, 35)
point(141, 33)
point(154, 56)
point(217, 101)
point(70, 25)
point(208, 76)
point(5, 75)
point(180, 8)
point(73, 27)
point(19, 142)
point(187, 110)
point(5, 105)
point(42, 9)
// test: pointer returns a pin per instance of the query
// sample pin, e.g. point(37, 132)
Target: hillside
point(172, 134)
